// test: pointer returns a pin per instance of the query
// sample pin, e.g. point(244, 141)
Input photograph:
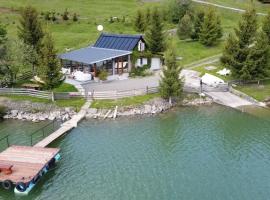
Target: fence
point(122, 94)
point(26, 92)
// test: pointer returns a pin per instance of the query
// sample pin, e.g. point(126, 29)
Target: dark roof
point(91, 55)
point(116, 41)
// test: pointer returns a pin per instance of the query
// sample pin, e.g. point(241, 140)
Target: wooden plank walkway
point(27, 162)
point(65, 127)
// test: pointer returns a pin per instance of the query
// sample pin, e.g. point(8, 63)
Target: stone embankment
point(35, 112)
point(152, 107)
point(29, 111)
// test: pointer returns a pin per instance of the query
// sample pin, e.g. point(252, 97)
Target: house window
point(141, 46)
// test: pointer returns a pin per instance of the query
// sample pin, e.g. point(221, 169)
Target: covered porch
point(85, 64)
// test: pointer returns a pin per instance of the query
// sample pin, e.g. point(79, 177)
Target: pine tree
point(184, 29)
point(3, 34)
point(230, 55)
point(197, 25)
point(178, 8)
point(155, 35)
point(247, 28)
point(211, 29)
point(170, 85)
point(30, 32)
point(266, 26)
point(246, 53)
point(147, 17)
point(30, 29)
point(139, 22)
point(257, 62)
point(50, 66)
point(3, 39)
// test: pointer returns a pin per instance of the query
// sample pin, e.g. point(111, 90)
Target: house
point(111, 52)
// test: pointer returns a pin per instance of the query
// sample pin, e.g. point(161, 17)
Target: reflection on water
point(190, 153)
point(256, 111)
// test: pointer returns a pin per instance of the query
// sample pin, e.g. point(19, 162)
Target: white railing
point(26, 92)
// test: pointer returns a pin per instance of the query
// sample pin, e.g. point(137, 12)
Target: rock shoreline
point(152, 107)
point(36, 112)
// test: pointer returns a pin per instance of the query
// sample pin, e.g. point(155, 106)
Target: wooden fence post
point(52, 97)
point(146, 89)
point(93, 94)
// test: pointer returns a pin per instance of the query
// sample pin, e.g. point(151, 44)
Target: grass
point(76, 103)
point(259, 92)
point(131, 101)
point(218, 66)
point(243, 4)
point(65, 87)
point(79, 34)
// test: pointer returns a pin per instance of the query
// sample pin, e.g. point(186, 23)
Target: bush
point(2, 111)
point(140, 71)
point(65, 15)
point(75, 17)
point(103, 75)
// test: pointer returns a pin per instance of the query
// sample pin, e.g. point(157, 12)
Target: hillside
point(72, 35)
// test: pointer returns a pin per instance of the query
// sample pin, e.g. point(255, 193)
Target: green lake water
point(211, 153)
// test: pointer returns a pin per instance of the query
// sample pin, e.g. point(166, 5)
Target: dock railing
point(41, 133)
point(6, 141)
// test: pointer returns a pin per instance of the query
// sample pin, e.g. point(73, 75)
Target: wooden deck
point(27, 162)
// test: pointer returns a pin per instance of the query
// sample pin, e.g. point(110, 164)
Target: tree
point(139, 21)
point(197, 24)
point(31, 33)
point(211, 29)
point(3, 39)
point(257, 63)
point(246, 52)
point(266, 26)
point(147, 17)
point(3, 34)
point(247, 28)
point(184, 29)
point(30, 29)
point(170, 85)
point(178, 8)
point(50, 66)
point(155, 38)
point(13, 61)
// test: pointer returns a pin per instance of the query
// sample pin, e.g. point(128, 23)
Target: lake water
point(190, 153)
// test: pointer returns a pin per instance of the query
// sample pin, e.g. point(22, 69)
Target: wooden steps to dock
point(65, 127)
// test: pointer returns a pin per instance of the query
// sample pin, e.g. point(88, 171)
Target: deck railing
point(6, 141)
point(42, 132)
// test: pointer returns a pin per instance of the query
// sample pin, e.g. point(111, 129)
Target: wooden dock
point(65, 127)
point(27, 162)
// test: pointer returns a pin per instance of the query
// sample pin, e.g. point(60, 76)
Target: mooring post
point(7, 142)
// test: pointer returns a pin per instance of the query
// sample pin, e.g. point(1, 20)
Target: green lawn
point(65, 87)
point(243, 4)
point(259, 92)
point(132, 101)
point(77, 103)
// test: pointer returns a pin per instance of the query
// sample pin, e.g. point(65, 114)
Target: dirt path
point(224, 7)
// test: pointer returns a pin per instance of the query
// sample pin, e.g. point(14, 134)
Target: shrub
point(65, 15)
point(47, 16)
point(75, 17)
point(103, 75)
point(140, 71)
